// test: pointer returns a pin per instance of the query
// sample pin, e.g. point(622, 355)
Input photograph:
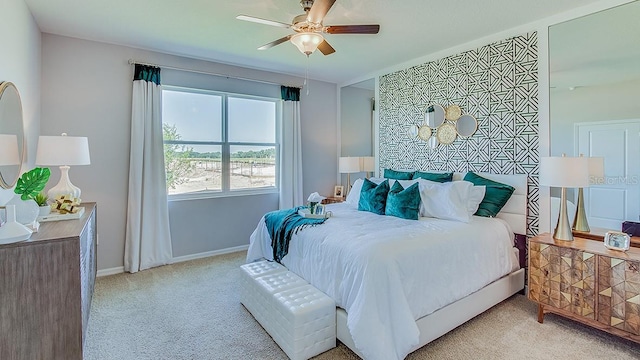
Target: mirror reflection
point(434, 116)
point(466, 125)
point(595, 108)
point(11, 135)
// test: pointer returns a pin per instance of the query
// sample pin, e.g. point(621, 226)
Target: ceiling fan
point(309, 28)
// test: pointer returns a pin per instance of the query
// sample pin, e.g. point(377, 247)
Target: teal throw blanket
point(282, 224)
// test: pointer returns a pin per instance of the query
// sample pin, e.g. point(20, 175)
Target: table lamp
point(348, 165)
point(63, 151)
point(596, 172)
point(564, 172)
point(368, 164)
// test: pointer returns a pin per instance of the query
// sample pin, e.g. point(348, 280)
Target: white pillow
point(354, 194)
point(476, 195)
point(447, 201)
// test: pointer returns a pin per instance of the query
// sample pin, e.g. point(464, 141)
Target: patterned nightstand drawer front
point(619, 294)
point(563, 278)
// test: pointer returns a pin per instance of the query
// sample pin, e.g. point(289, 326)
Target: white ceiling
point(207, 29)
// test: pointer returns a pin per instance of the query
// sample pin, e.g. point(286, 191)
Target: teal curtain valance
point(290, 93)
point(147, 73)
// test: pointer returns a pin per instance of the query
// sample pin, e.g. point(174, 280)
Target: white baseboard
point(209, 253)
point(120, 269)
point(110, 271)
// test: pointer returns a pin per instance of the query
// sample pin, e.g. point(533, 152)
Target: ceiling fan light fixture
point(307, 42)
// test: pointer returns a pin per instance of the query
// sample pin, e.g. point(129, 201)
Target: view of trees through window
point(195, 149)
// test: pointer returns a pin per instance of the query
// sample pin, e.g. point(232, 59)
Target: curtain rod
point(134, 62)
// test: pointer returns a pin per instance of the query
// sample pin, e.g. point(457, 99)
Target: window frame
point(226, 145)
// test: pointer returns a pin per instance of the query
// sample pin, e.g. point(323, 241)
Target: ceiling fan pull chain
point(306, 76)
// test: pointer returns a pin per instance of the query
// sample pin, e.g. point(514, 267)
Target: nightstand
point(332, 200)
point(584, 281)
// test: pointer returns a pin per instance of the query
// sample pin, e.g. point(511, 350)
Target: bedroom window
point(218, 143)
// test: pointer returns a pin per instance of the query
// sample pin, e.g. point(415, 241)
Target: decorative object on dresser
point(63, 151)
point(46, 289)
point(12, 231)
point(596, 174)
point(29, 185)
point(616, 240)
point(563, 171)
point(584, 281)
point(11, 135)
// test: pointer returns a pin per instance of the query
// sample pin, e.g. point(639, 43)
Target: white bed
point(404, 283)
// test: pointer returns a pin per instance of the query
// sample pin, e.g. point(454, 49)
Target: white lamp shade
point(349, 164)
point(596, 168)
point(368, 163)
point(62, 150)
point(307, 42)
point(9, 150)
point(571, 172)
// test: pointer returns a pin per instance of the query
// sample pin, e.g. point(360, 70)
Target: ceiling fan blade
point(263, 21)
point(325, 48)
point(352, 29)
point(319, 9)
point(275, 42)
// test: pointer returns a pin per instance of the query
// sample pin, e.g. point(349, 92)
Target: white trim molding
point(178, 259)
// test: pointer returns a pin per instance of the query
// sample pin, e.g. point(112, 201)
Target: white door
point(617, 198)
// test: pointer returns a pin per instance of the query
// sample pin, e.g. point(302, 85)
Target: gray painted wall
point(20, 64)
point(86, 91)
point(355, 124)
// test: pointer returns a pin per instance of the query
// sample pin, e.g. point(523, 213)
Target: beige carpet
point(191, 310)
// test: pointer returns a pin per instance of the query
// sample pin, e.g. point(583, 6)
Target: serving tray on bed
point(305, 213)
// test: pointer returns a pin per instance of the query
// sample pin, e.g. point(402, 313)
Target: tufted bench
point(300, 318)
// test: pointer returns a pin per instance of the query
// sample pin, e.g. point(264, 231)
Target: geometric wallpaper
point(498, 85)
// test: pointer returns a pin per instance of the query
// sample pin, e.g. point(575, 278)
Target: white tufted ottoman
point(300, 318)
point(249, 274)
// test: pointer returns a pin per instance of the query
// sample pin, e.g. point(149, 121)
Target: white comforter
point(388, 272)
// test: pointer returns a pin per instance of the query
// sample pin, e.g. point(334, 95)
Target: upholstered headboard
point(514, 211)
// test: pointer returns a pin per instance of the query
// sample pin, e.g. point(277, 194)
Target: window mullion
point(226, 156)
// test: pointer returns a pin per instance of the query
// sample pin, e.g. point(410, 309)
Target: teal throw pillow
point(373, 198)
point(403, 203)
point(398, 175)
point(496, 195)
point(437, 177)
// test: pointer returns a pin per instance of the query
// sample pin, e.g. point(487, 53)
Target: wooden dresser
point(46, 285)
point(584, 281)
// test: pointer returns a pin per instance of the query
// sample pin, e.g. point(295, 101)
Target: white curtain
point(291, 155)
point(148, 240)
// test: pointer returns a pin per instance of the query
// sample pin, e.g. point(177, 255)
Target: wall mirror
point(434, 116)
point(466, 125)
point(595, 60)
point(357, 110)
point(11, 135)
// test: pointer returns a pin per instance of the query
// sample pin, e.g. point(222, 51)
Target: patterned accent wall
point(496, 83)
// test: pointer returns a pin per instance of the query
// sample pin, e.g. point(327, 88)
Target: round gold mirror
point(466, 125)
point(11, 135)
point(434, 116)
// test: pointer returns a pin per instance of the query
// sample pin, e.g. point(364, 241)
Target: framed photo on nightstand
point(338, 190)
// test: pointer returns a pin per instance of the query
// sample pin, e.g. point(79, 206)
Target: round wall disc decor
point(453, 112)
point(424, 132)
point(466, 125)
point(446, 133)
point(434, 116)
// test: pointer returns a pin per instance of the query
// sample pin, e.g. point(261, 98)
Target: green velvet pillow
point(437, 177)
point(373, 198)
point(403, 203)
point(398, 175)
point(496, 195)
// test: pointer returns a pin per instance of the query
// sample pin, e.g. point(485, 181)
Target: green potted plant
point(29, 185)
point(42, 200)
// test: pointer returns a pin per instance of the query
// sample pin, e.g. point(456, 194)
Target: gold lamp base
point(563, 229)
point(580, 220)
